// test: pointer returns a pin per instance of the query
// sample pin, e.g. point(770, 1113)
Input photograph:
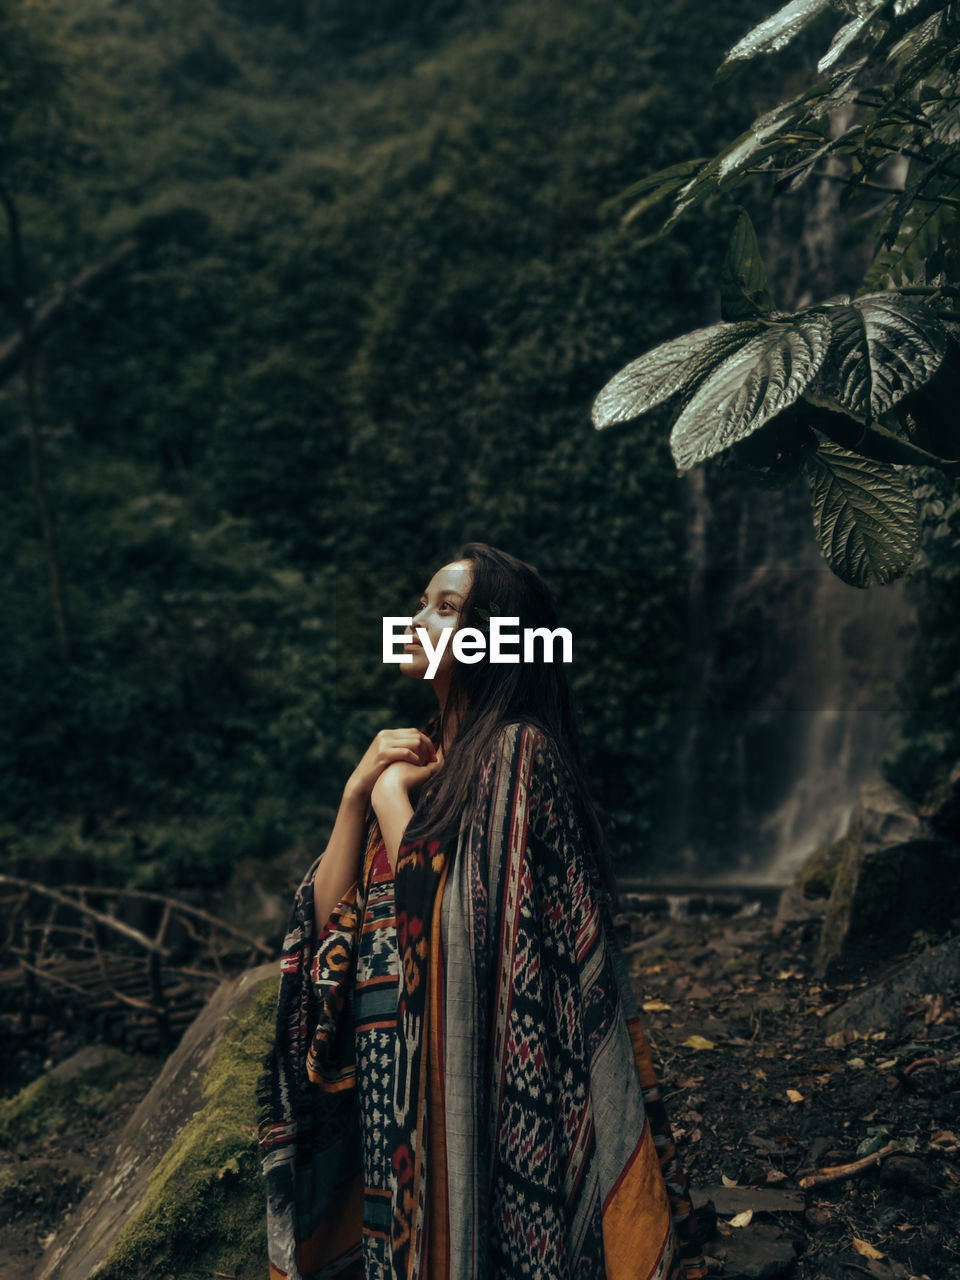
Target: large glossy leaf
point(844, 38)
point(743, 278)
point(679, 365)
point(655, 187)
point(758, 381)
point(864, 516)
point(882, 347)
point(777, 31)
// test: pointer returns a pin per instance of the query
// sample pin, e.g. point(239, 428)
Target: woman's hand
point(390, 747)
point(399, 779)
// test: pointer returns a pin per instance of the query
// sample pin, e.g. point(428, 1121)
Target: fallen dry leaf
point(698, 1042)
point(742, 1219)
point(728, 1182)
point(858, 1063)
point(655, 1006)
point(935, 1008)
point(944, 1140)
point(840, 1038)
point(866, 1250)
point(795, 1095)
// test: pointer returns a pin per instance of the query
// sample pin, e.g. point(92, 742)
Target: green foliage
point(857, 358)
point(880, 119)
point(864, 515)
point(743, 278)
point(893, 68)
point(361, 324)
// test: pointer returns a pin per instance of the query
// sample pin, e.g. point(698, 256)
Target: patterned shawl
point(529, 1138)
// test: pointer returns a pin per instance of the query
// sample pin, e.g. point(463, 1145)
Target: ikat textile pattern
point(527, 1135)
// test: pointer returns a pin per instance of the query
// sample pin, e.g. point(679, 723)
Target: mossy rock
point(91, 1082)
point(183, 1196)
point(816, 877)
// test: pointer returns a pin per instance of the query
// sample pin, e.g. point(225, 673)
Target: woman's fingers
point(409, 754)
point(412, 740)
point(410, 746)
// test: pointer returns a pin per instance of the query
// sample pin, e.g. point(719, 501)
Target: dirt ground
point(775, 1098)
point(760, 1096)
point(43, 1176)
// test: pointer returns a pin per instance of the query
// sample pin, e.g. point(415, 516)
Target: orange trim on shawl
point(438, 1204)
point(636, 1217)
point(340, 1230)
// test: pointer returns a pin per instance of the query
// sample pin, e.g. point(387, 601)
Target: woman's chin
point(417, 669)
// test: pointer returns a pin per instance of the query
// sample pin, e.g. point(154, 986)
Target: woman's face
point(440, 608)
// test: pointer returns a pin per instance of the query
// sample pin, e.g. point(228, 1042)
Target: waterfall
point(859, 645)
point(791, 674)
point(791, 677)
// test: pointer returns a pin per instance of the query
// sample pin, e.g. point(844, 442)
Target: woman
point(460, 1089)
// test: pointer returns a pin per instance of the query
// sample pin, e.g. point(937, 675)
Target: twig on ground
point(920, 1062)
point(837, 1172)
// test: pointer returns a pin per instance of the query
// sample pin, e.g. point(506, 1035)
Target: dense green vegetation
point(365, 293)
point(856, 394)
point(847, 388)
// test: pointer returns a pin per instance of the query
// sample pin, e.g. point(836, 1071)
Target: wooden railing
point(145, 980)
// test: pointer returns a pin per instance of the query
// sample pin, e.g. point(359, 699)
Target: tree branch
point(872, 441)
point(46, 317)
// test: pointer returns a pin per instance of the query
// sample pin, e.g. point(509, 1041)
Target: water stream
point(792, 678)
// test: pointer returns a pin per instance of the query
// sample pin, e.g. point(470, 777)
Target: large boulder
point(888, 1004)
point(182, 1194)
point(895, 876)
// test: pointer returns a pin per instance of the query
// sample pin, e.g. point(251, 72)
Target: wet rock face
point(184, 1181)
point(942, 806)
point(896, 876)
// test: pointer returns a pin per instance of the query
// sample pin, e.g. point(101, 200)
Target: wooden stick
point(920, 1062)
point(837, 1172)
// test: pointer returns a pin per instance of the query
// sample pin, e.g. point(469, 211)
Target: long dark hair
point(485, 696)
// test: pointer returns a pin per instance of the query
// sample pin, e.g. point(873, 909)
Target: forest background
point(357, 282)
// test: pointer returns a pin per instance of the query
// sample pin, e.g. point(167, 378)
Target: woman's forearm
point(391, 802)
point(340, 865)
